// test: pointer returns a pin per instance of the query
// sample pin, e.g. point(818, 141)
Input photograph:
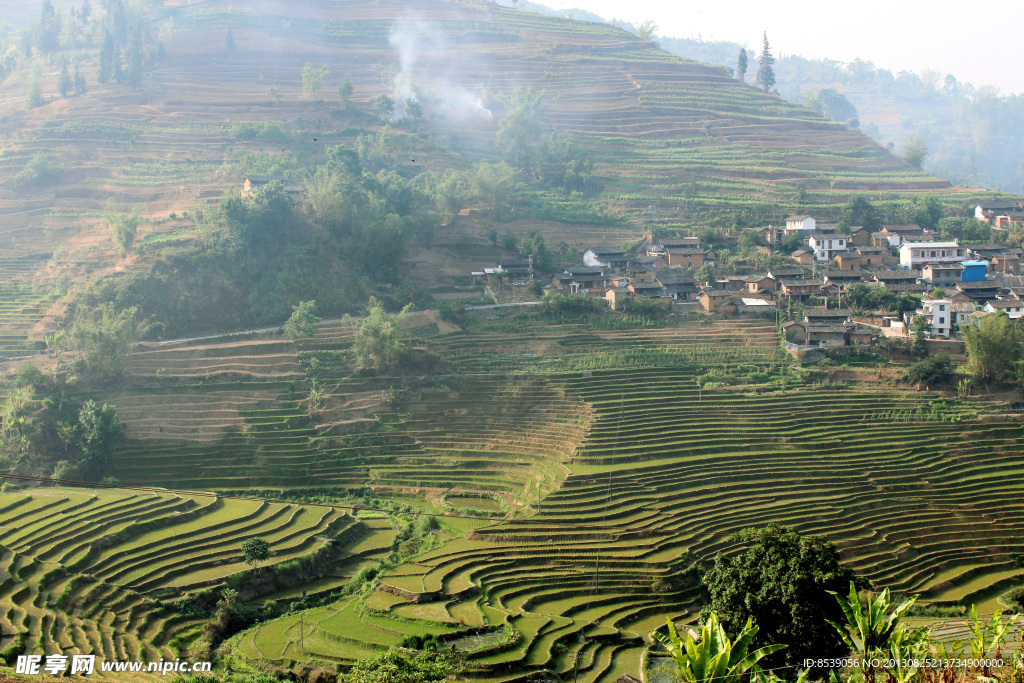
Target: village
point(837, 289)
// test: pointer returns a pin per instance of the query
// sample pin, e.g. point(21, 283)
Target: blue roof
point(974, 263)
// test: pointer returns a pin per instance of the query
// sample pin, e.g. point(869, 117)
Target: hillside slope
point(672, 140)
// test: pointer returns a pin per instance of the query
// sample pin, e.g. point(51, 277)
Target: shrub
point(932, 371)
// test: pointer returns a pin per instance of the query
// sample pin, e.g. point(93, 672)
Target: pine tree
point(133, 73)
point(64, 83)
point(49, 28)
point(79, 81)
point(741, 65)
point(106, 69)
point(161, 51)
point(229, 41)
point(765, 73)
point(85, 11)
point(115, 65)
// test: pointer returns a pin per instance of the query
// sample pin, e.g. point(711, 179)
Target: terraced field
point(672, 139)
point(84, 571)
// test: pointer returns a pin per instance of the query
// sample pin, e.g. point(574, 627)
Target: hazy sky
point(978, 42)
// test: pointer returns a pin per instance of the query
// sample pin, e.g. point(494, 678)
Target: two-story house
point(939, 313)
point(826, 246)
point(916, 255)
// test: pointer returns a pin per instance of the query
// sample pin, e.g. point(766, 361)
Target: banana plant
point(987, 636)
point(711, 655)
point(869, 627)
point(908, 650)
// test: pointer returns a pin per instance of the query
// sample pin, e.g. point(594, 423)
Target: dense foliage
point(782, 581)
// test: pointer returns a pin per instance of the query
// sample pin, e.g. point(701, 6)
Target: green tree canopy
point(519, 133)
point(915, 149)
point(303, 320)
point(994, 347)
point(782, 582)
point(255, 551)
point(313, 80)
point(103, 335)
point(741, 65)
point(380, 340)
point(99, 429)
point(495, 185)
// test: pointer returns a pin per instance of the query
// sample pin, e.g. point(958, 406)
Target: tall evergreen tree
point(115, 65)
point(106, 69)
point(765, 73)
point(49, 28)
point(85, 11)
point(79, 81)
point(64, 83)
point(741, 65)
point(229, 41)
point(133, 73)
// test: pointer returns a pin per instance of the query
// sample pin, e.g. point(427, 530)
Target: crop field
point(87, 571)
point(671, 139)
point(617, 458)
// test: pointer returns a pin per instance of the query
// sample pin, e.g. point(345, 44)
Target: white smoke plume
point(416, 40)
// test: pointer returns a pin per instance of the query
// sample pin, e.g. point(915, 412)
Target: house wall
point(694, 261)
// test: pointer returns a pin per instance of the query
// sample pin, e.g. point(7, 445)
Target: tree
point(519, 132)
point(928, 212)
point(713, 656)
point(765, 72)
point(78, 81)
point(741, 65)
point(394, 666)
point(303, 320)
point(48, 38)
point(931, 372)
point(994, 346)
point(646, 29)
point(380, 340)
point(99, 428)
point(313, 80)
point(64, 83)
point(106, 68)
point(384, 106)
point(34, 91)
point(345, 94)
point(859, 211)
point(123, 228)
point(102, 336)
point(831, 103)
point(115, 65)
point(748, 240)
point(255, 550)
point(915, 149)
point(495, 185)
point(704, 274)
point(133, 71)
point(782, 582)
point(229, 41)
point(921, 326)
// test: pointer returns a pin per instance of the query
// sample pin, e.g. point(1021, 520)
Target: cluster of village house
point(977, 279)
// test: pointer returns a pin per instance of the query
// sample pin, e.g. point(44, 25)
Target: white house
point(800, 223)
point(825, 247)
point(915, 255)
point(1011, 307)
point(939, 313)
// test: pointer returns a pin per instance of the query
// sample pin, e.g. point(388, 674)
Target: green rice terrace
point(90, 571)
point(593, 469)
